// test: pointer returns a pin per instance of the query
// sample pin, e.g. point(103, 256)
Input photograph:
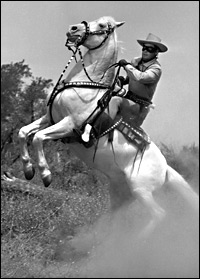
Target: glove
point(120, 81)
point(123, 63)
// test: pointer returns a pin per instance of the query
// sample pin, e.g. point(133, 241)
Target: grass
point(33, 227)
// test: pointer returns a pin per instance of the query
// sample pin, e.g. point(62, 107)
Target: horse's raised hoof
point(29, 172)
point(47, 180)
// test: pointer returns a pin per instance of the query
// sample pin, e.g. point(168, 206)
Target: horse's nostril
point(74, 28)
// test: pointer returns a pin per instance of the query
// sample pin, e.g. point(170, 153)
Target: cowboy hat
point(154, 40)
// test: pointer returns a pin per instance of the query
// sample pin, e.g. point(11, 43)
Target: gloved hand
point(123, 63)
point(120, 81)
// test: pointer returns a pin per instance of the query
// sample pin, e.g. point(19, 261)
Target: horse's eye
point(101, 25)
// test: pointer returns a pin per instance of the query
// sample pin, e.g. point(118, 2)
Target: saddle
point(105, 125)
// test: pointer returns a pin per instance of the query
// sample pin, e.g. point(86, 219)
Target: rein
point(55, 87)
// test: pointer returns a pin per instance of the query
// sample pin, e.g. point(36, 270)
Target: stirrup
point(86, 135)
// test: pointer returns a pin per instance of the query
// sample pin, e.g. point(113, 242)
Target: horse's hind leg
point(57, 131)
point(157, 212)
point(23, 134)
point(119, 190)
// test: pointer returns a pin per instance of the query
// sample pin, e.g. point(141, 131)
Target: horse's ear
point(118, 24)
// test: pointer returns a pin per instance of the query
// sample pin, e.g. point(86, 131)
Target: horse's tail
point(176, 182)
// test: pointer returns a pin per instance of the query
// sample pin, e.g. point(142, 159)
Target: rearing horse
point(130, 172)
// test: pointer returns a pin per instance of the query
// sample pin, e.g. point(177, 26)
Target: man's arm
point(151, 75)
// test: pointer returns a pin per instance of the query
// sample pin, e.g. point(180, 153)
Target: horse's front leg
point(57, 131)
point(23, 134)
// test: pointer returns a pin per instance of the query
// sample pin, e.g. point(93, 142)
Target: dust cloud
point(115, 250)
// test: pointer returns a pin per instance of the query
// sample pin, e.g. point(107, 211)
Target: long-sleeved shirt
point(143, 77)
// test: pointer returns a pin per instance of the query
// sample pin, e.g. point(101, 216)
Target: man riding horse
point(143, 75)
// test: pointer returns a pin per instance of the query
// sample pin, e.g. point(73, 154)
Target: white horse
point(131, 173)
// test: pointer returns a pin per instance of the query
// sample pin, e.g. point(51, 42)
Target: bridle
point(81, 39)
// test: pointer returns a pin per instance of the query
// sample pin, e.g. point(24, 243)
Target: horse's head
point(93, 34)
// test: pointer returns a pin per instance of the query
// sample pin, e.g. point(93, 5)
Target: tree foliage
point(22, 101)
point(12, 81)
